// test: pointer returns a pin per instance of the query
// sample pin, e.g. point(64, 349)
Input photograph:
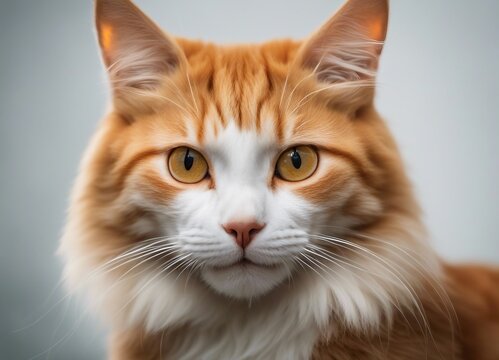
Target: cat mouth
point(245, 263)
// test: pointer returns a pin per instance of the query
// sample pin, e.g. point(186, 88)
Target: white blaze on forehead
point(242, 164)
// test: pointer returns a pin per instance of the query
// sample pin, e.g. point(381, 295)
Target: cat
point(248, 202)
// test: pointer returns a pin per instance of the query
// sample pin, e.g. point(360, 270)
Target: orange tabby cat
point(248, 202)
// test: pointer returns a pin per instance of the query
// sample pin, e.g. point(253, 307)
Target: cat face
point(240, 200)
point(239, 168)
point(244, 162)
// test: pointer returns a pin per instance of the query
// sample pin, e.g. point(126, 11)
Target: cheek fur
point(338, 193)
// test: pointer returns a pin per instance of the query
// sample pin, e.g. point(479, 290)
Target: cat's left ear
point(347, 47)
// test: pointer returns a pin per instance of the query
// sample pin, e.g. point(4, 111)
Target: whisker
point(192, 92)
point(352, 84)
point(417, 264)
point(155, 95)
point(314, 71)
point(419, 267)
point(186, 265)
point(160, 273)
point(196, 266)
point(310, 267)
point(87, 310)
point(97, 271)
point(329, 256)
point(410, 290)
point(284, 88)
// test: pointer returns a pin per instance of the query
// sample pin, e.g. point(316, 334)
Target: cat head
point(239, 167)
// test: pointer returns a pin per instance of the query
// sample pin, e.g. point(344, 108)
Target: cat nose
point(243, 231)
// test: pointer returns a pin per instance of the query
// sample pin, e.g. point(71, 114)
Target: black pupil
point(188, 160)
point(296, 159)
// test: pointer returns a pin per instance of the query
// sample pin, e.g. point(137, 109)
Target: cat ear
point(347, 47)
point(136, 52)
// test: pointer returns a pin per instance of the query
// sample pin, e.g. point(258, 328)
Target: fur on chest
point(256, 339)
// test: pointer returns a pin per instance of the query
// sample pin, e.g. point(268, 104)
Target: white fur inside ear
point(139, 67)
point(354, 57)
point(347, 62)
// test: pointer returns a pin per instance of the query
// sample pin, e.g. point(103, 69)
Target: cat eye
point(297, 163)
point(187, 165)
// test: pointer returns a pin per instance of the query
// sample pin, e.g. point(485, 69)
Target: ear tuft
point(348, 46)
point(136, 52)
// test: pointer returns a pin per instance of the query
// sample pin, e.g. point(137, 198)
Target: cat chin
point(245, 281)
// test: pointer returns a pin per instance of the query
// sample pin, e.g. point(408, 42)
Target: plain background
point(438, 89)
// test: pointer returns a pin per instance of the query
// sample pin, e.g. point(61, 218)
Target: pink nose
point(243, 231)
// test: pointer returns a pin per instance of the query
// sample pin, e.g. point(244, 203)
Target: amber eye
point(187, 165)
point(297, 163)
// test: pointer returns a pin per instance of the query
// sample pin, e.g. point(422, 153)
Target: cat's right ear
point(137, 53)
point(344, 53)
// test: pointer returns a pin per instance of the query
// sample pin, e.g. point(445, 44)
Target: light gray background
point(439, 91)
